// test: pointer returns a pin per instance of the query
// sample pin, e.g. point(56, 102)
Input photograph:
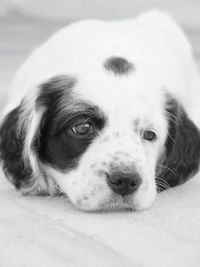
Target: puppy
point(106, 113)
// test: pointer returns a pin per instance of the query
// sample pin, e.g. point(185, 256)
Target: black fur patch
point(53, 142)
point(54, 90)
point(182, 147)
point(11, 150)
point(118, 65)
point(59, 147)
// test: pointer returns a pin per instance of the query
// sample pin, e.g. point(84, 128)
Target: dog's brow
point(80, 108)
point(136, 125)
point(65, 114)
point(118, 65)
point(55, 89)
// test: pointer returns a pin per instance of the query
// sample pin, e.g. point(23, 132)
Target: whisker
point(167, 168)
point(162, 181)
point(162, 184)
point(172, 118)
point(169, 135)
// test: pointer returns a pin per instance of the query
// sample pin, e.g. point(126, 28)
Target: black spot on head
point(118, 65)
point(59, 146)
point(182, 147)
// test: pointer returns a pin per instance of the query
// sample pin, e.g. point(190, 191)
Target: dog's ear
point(12, 143)
point(19, 150)
point(23, 130)
point(182, 156)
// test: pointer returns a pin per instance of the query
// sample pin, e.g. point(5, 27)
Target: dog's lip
point(117, 203)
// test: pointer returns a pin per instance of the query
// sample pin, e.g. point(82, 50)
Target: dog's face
point(102, 150)
point(82, 138)
point(109, 134)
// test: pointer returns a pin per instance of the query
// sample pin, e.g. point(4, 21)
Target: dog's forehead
point(123, 95)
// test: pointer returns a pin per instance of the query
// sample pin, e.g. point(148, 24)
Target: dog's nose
point(123, 183)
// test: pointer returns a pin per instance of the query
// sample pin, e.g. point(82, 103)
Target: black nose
point(123, 183)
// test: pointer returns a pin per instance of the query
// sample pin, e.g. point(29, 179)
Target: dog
point(106, 113)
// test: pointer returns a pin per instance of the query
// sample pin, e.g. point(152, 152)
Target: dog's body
point(104, 111)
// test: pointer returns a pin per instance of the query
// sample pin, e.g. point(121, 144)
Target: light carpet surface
point(50, 232)
point(44, 231)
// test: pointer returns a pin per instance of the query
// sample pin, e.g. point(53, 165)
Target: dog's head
point(98, 118)
point(105, 141)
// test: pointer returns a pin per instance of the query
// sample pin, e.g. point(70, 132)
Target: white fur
point(163, 60)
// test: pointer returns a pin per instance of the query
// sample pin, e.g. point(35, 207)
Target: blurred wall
point(4, 7)
point(186, 11)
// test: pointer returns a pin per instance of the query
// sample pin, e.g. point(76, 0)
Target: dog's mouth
point(117, 203)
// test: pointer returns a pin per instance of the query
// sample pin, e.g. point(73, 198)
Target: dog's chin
point(118, 203)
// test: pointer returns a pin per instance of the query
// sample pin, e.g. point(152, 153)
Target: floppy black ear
point(22, 134)
point(182, 147)
point(11, 151)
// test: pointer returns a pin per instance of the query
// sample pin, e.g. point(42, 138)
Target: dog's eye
point(85, 129)
point(149, 135)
